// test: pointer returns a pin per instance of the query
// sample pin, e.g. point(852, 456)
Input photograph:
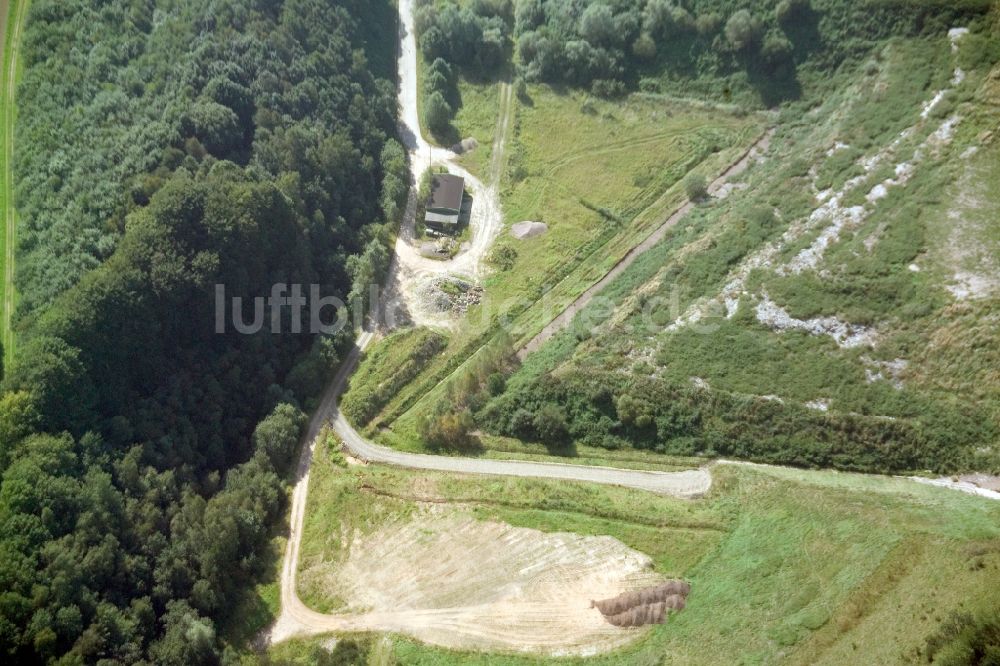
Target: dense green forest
point(164, 147)
point(752, 52)
point(118, 96)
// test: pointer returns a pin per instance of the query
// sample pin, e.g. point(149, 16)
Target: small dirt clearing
point(411, 266)
point(448, 579)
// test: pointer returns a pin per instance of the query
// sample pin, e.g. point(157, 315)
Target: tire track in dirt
point(548, 177)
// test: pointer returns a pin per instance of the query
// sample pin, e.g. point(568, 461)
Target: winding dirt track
point(298, 620)
point(411, 271)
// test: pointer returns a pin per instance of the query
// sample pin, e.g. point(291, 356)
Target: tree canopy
point(164, 148)
point(758, 49)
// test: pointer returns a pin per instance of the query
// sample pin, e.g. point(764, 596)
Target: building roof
point(446, 193)
point(441, 218)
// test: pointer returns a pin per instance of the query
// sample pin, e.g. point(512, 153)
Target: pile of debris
point(441, 248)
point(462, 303)
point(647, 606)
point(450, 294)
point(465, 145)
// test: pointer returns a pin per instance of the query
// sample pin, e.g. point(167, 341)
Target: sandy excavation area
point(450, 580)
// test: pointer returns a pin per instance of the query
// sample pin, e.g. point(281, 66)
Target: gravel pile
point(525, 230)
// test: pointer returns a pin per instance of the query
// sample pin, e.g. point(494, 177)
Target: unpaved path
point(687, 484)
point(411, 271)
point(298, 620)
point(962, 485)
point(566, 316)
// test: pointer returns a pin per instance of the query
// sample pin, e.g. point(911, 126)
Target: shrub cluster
point(614, 410)
point(473, 39)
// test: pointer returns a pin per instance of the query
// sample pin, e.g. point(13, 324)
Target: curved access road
point(296, 619)
point(688, 484)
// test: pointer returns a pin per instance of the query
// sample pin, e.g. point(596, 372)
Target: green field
point(602, 175)
point(801, 567)
point(477, 118)
point(13, 12)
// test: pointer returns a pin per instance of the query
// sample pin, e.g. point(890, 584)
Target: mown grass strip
point(14, 12)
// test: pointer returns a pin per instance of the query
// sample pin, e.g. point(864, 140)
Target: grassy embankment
point(801, 567)
point(12, 13)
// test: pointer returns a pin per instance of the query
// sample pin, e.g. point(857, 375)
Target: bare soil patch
point(448, 579)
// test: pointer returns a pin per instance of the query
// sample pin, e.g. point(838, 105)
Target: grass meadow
point(801, 567)
point(891, 271)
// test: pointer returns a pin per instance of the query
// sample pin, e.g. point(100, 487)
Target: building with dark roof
point(445, 201)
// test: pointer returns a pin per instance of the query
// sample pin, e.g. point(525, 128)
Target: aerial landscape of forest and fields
point(500, 332)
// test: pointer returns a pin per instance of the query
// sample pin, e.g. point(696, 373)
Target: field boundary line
point(514, 506)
